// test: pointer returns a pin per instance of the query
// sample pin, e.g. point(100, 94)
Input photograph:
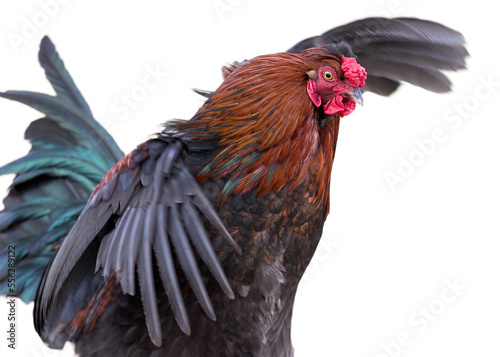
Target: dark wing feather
point(156, 204)
point(401, 49)
point(167, 271)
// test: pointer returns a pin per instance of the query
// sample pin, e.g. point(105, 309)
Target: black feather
point(167, 272)
point(188, 261)
point(397, 50)
point(58, 76)
point(146, 280)
point(200, 240)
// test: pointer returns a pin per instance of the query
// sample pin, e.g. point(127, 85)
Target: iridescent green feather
point(70, 154)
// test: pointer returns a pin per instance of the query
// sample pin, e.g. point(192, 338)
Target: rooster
point(194, 243)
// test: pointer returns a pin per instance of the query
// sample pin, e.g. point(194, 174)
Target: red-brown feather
point(263, 109)
point(86, 318)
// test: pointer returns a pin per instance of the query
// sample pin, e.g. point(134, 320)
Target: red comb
point(353, 72)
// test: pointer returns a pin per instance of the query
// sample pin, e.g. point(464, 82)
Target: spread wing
point(148, 204)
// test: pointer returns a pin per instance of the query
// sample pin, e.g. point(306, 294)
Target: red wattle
point(336, 105)
point(349, 107)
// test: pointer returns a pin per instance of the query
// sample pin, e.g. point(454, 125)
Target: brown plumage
point(262, 116)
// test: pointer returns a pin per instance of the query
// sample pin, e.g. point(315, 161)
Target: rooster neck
point(307, 154)
point(328, 136)
point(260, 131)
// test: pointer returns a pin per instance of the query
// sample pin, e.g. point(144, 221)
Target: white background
point(387, 255)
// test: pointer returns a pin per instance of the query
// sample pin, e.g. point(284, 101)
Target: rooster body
point(257, 322)
point(282, 213)
point(195, 242)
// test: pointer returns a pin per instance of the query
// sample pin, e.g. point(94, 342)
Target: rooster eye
point(328, 76)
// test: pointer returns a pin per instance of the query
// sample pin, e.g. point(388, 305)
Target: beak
point(355, 95)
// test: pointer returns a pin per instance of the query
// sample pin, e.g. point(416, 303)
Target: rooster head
point(336, 86)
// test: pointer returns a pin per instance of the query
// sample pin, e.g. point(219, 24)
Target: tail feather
point(377, 29)
point(70, 118)
point(45, 133)
point(70, 153)
point(449, 58)
point(393, 51)
point(399, 50)
point(69, 95)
